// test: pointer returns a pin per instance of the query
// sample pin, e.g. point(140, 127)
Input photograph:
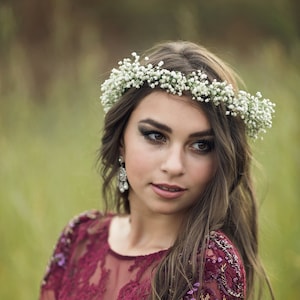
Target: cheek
point(205, 171)
point(137, 161)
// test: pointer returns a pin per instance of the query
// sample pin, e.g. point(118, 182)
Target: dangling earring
point(122, 177)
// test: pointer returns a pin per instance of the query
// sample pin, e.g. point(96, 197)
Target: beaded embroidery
point(224, 275)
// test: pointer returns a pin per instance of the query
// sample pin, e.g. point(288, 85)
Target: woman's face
point(168, 149)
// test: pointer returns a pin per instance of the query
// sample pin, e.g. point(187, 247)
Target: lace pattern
point(84, 267)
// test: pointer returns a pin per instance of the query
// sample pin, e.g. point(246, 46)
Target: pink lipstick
point(168, 191)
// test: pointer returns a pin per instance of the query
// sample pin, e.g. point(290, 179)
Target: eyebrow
point(208, 132)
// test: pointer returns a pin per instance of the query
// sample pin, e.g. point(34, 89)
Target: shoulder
point(82, 226)
point(220, 244)
point(224, 264)
point(78, 228)
point(84, 219)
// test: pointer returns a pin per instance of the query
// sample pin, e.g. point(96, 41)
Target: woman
point(185, 222)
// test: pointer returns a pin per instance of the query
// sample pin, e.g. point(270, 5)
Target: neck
point(154, 230)
point(141, 234)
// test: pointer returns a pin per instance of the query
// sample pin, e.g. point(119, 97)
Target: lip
point(167, 191)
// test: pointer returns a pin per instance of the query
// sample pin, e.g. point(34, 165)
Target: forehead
point(173, 110)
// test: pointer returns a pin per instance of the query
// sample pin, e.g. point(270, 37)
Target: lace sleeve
point(224, 275)
point(62, 252)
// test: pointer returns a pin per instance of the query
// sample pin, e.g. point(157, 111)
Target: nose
point(173, 161)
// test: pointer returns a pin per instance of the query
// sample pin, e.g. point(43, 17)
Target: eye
point(203, 146)
point(153, 136)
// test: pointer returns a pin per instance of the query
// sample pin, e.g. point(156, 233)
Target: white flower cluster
point(253, 109)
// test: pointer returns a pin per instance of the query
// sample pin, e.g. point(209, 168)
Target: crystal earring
point(122, 177)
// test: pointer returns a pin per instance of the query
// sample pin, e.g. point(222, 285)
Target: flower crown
point(255, 111)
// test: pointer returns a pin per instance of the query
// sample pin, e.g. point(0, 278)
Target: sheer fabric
point(84, 267)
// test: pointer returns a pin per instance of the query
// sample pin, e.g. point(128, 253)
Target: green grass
point(278, 184)
point(48, 174)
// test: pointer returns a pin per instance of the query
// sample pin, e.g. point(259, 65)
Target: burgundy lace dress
point(83, 267)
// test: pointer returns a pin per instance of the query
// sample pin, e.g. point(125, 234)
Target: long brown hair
point(228, 203)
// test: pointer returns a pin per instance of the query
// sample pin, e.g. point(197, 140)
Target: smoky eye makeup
point(203, 145)
point(152, 135)
point(201, 142)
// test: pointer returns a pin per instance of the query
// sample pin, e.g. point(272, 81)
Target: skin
point(169, 158)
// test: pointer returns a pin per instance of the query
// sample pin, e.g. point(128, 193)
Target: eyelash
point(149, 135)
point(157, 138)
point(208, 144)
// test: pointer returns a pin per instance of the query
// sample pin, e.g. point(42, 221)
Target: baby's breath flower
point(255, 111)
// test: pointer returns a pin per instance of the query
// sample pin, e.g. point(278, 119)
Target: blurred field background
point(53, 56)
